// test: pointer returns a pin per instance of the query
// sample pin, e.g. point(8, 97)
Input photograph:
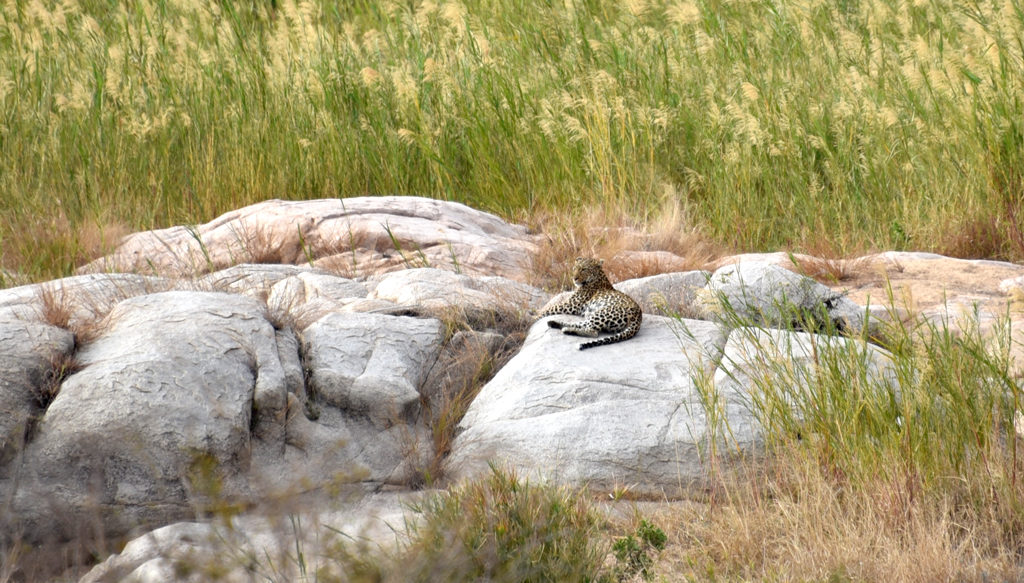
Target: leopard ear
point(600, 262)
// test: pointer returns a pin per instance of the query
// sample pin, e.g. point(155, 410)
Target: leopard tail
point(626, 334)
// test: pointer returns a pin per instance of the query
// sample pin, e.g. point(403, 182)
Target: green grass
point(503, 528)
point(944, 404)
point(912, 474)
point(834, 127)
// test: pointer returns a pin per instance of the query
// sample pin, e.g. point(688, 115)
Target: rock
point(273, 382)
point(643, 414)
point(926, 281)
point(175, 379)
point(1013, 285)
point(307, 286)
point(362, 422)
point(78, 302)
point(245, 547)
point(623, 414)
point(781, 259)
point(668, 294)
point(308, 296)
point(191, 399)
point(370, 364)
point(288, 351)
point(31, 355)
point(251, 279)
point(767, 294)
point(441, 292)
point(354, 236)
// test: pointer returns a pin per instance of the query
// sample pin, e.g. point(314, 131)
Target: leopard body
point(603, 308)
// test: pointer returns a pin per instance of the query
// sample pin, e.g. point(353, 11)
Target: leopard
point(604, 308)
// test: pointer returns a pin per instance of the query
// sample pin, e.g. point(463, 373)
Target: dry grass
point(55, 305)
point(63, 308)
point(80, 312)
point(793, 519)
point(260, 244)
point(829, 271)
point(668, 241)
point(50, 563)
point(62, 366)
point(55, 245)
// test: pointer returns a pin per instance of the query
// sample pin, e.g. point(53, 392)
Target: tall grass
point(939, 407)
point(834, 127)
point(909, 472)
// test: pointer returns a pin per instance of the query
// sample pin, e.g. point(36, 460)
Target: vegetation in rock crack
point(829, 128)
point(468, 359)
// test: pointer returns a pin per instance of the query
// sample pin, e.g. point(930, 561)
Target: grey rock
point(355, 236)
point(370, 364)
point(177, 378)
point(626, 414)
point(667, 294)
point(767, 294)
point(31, 353)
point(1012, 285)
point(440, 291)
point(81, 300)
point(255, 546)
point(250, 279)
point(308, 296)
point(772, 373)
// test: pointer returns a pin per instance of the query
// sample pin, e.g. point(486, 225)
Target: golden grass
point(829, 271)
point(906, 122)
point(794, 519)
point(630, 247)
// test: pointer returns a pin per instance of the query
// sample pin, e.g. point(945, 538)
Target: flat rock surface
point(621, 414)
point(439, 290)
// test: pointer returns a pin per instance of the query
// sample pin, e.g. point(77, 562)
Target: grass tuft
point(503, 528)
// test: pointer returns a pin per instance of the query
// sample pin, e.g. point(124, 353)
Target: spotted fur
point(604, 308)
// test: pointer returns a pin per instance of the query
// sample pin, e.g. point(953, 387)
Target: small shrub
point(500, 529)
point(825, 270)
point(633, 552)
point(79, 313)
